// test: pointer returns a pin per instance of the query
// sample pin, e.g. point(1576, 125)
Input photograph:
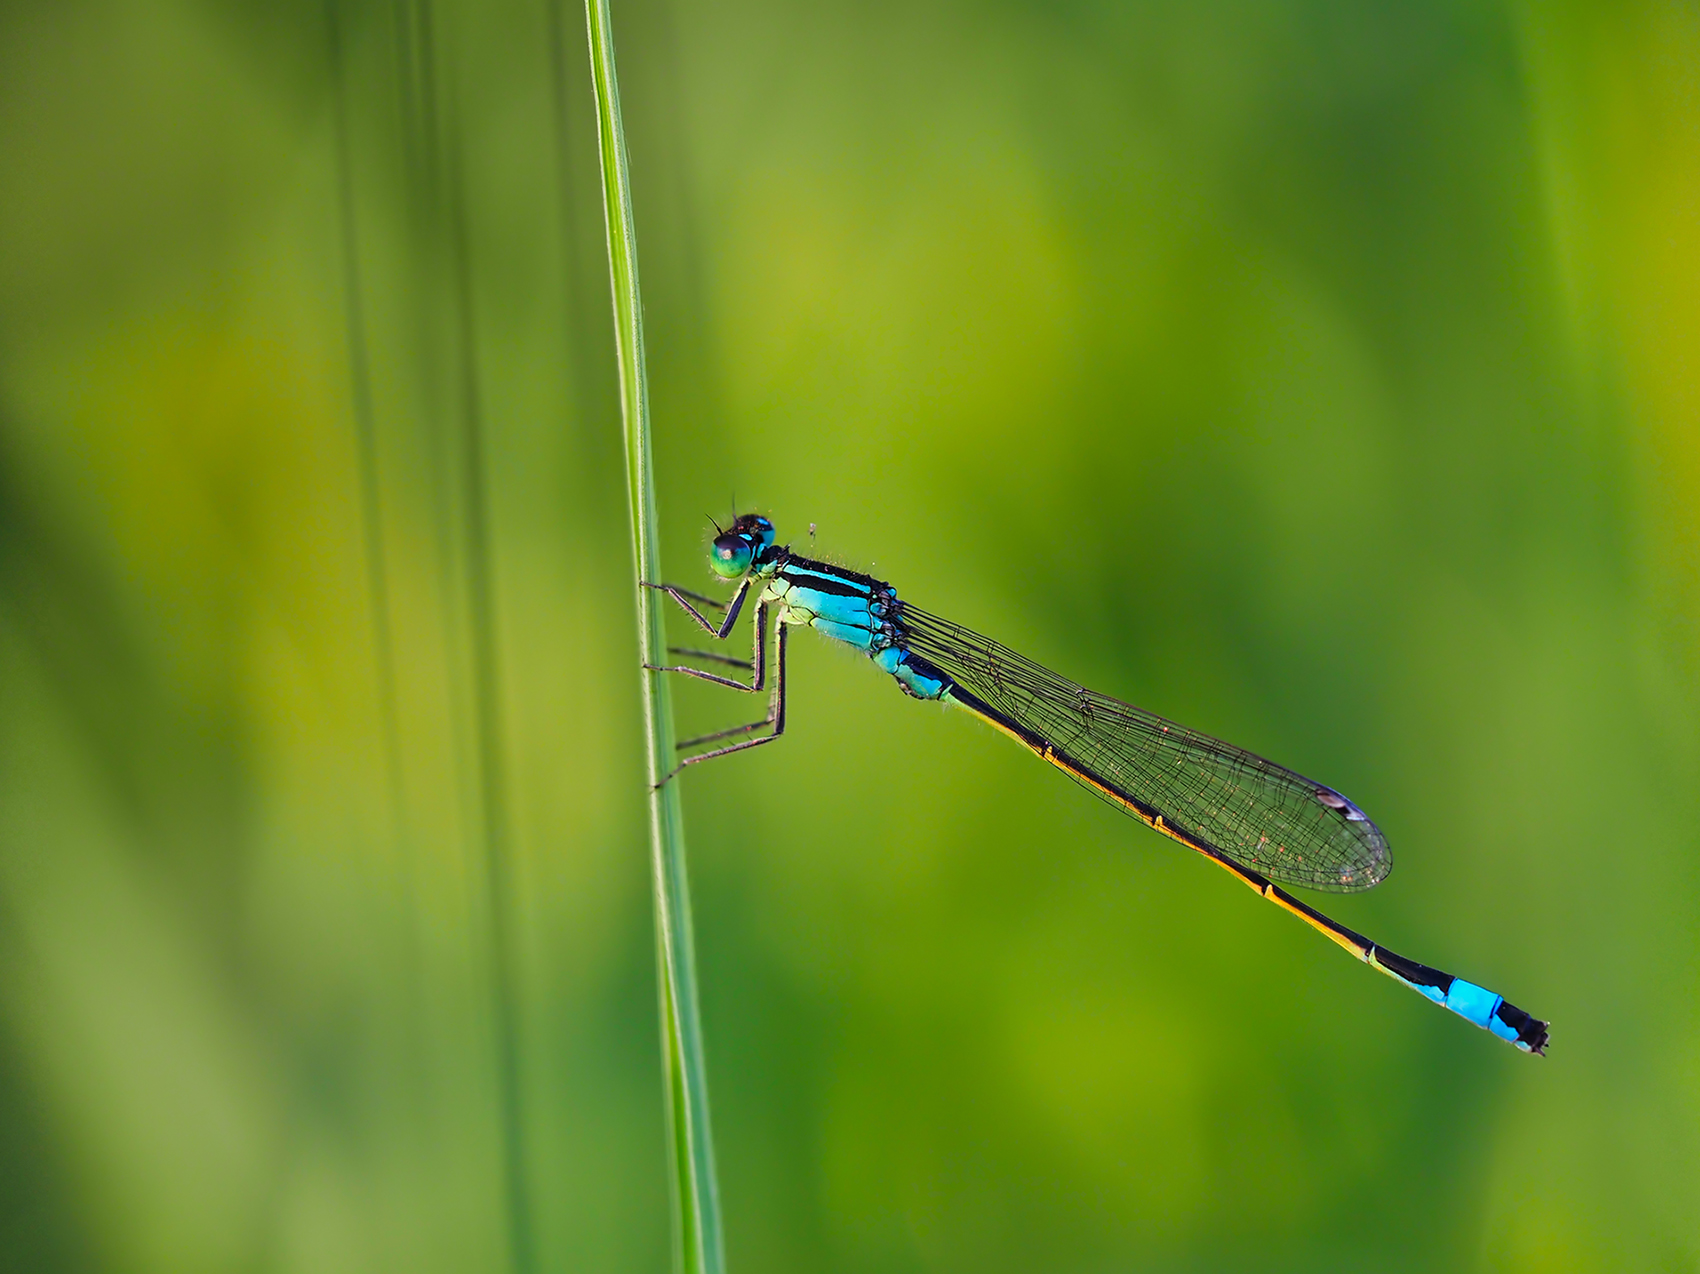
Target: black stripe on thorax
point(832, 580)
point(841, 572)
point(828, 584)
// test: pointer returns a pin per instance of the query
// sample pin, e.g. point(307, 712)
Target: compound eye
point(730, 556)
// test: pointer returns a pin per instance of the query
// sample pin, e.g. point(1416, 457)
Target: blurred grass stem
point(696, 1201)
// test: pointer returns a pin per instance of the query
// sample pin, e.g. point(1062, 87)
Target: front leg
point(717, 631)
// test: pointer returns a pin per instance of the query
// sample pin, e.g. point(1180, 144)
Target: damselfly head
point(734, 550)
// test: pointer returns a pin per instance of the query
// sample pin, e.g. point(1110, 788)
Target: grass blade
point(696, 1210)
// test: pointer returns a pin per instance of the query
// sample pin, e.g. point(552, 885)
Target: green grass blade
point(697, 1231)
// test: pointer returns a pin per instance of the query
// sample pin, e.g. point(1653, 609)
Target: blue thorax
point(856, 609)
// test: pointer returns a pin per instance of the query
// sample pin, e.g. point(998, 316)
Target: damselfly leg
point(775, 718)
point(757, 664)
point(684, 597)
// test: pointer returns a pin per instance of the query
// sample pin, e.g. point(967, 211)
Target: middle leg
point(757, 664)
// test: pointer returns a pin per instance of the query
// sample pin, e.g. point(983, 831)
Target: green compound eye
point(730, 556)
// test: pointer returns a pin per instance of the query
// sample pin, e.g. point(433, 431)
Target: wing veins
point(1257, 813)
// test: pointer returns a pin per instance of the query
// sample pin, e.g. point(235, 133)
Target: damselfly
point(1260, 822)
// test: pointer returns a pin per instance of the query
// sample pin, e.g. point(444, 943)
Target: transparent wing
point(1259, 814)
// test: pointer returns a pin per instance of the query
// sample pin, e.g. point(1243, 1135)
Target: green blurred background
point(1323, 375)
